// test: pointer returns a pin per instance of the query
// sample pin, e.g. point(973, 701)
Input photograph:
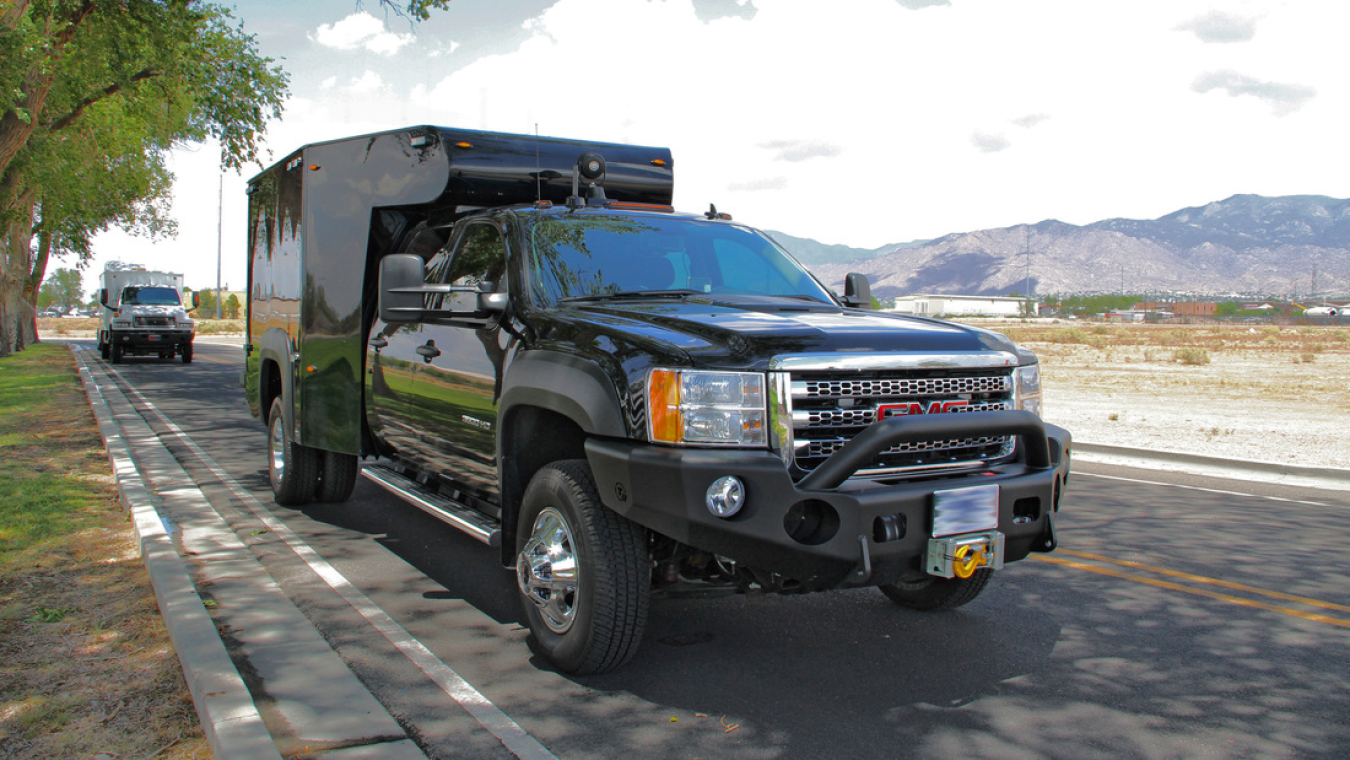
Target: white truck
point(143, 314)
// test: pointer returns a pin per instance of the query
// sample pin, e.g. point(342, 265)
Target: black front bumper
point(826, 531)
point(150, 341)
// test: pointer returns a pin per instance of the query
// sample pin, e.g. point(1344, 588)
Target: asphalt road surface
point(1181, 617)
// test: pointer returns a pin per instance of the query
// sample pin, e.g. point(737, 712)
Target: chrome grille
point(830, 407)
point(154, 321)
point(915, 386)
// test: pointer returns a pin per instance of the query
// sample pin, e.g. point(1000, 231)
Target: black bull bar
point(884, 434)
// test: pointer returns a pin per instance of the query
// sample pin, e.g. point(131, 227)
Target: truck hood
point(749, 331)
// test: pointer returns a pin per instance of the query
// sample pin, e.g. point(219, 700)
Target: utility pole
point(220, 217)
point(1030, 304)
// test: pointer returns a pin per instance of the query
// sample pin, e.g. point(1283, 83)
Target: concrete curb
point(1332, 478)
point(229, 718)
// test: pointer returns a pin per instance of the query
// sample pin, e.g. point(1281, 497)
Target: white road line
point(508, 732)
point(1206, 490)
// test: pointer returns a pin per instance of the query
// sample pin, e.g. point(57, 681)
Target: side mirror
point(857, 291)
point(196, 300)
point(401, 288)
point(103, 296)
point(490, 302)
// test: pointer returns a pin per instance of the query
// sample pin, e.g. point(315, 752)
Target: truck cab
point(143, 314)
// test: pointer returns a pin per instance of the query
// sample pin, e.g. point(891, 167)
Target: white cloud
point(800, 150)
point(368, 83)
point(328, 83)
point(360, 30)
point(1283, 98)
point(990, 143)
point(1217, 26)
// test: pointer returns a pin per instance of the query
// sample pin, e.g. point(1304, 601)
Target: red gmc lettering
point(914, 407)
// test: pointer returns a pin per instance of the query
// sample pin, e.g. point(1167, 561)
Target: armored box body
point(321, 219)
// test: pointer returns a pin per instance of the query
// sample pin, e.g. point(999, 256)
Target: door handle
point(429, 351)
point(378, 341)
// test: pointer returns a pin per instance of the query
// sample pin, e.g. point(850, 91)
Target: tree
point(94, 95)
point(206, 307)
point(232, 306)
point(64, 290)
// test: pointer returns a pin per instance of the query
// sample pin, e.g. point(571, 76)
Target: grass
point(85, 664)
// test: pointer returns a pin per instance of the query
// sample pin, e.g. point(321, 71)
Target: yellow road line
point(1210, 581)
point(1311, 616)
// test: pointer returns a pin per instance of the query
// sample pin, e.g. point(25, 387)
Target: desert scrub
point(1192, 355)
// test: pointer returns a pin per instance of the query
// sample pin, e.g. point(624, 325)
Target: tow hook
point(961, 556)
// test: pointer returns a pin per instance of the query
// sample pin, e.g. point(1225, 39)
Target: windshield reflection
point(585, 256)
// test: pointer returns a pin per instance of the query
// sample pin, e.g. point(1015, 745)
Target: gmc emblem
point(887, 411)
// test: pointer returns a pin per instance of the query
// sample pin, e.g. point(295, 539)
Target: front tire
point(582, 573)
point(186, 353)
point(292, 469)
point(116, 353)
point(938, 594)
point(337, 477)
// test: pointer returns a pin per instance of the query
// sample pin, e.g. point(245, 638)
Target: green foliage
point(94, 94)
point(64, 289)
point(419, 10)
point(1097, 304)
point(232, 306)
point(207, 305)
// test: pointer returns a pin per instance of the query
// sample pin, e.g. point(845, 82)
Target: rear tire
point(937, 594)
point(292, 469)
point(582, 573)
point(337, 477)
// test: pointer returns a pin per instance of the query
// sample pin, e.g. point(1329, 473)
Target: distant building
point(1180, 308)
point(962, 306)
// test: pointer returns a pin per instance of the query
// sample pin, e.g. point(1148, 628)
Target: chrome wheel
point(276, 451)
point(548, 572)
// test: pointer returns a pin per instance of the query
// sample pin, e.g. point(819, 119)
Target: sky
point(857, 122)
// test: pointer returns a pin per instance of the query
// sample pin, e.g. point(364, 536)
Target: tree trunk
point(18, 326)
point(33, 284)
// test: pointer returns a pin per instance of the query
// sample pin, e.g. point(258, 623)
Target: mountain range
point(1250, 245)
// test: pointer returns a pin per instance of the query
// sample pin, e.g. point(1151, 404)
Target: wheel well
point(532, 438)
point(269, 386)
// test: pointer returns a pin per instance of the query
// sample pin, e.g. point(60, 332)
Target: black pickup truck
point(519, 336)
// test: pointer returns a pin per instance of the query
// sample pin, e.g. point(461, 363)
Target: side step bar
point(467, 519)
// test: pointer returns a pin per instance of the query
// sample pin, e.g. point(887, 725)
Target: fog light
point(726, 496)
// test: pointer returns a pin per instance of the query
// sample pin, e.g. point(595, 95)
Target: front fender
point(573, 387)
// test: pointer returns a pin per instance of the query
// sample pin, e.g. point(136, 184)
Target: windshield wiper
point(620, 295)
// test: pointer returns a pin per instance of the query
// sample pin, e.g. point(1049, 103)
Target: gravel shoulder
point(1283, 404)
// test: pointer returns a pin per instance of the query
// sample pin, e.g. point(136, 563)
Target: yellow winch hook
point(967, 562)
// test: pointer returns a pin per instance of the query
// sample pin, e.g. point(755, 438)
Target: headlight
point(703, 407)
point(121, 323)
point(1027, 388)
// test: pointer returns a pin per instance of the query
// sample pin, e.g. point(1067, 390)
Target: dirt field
point(1247, 392)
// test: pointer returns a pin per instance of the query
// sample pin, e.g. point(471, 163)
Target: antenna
point(538, 182)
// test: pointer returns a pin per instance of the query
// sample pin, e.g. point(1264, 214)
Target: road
point(1181, 617)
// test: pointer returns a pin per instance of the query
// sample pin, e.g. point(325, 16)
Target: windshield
point(149, 295)
point(581, 256)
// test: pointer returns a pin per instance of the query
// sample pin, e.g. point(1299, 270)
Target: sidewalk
point(311, 703)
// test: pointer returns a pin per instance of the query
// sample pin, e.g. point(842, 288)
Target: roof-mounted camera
point(591, 167)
